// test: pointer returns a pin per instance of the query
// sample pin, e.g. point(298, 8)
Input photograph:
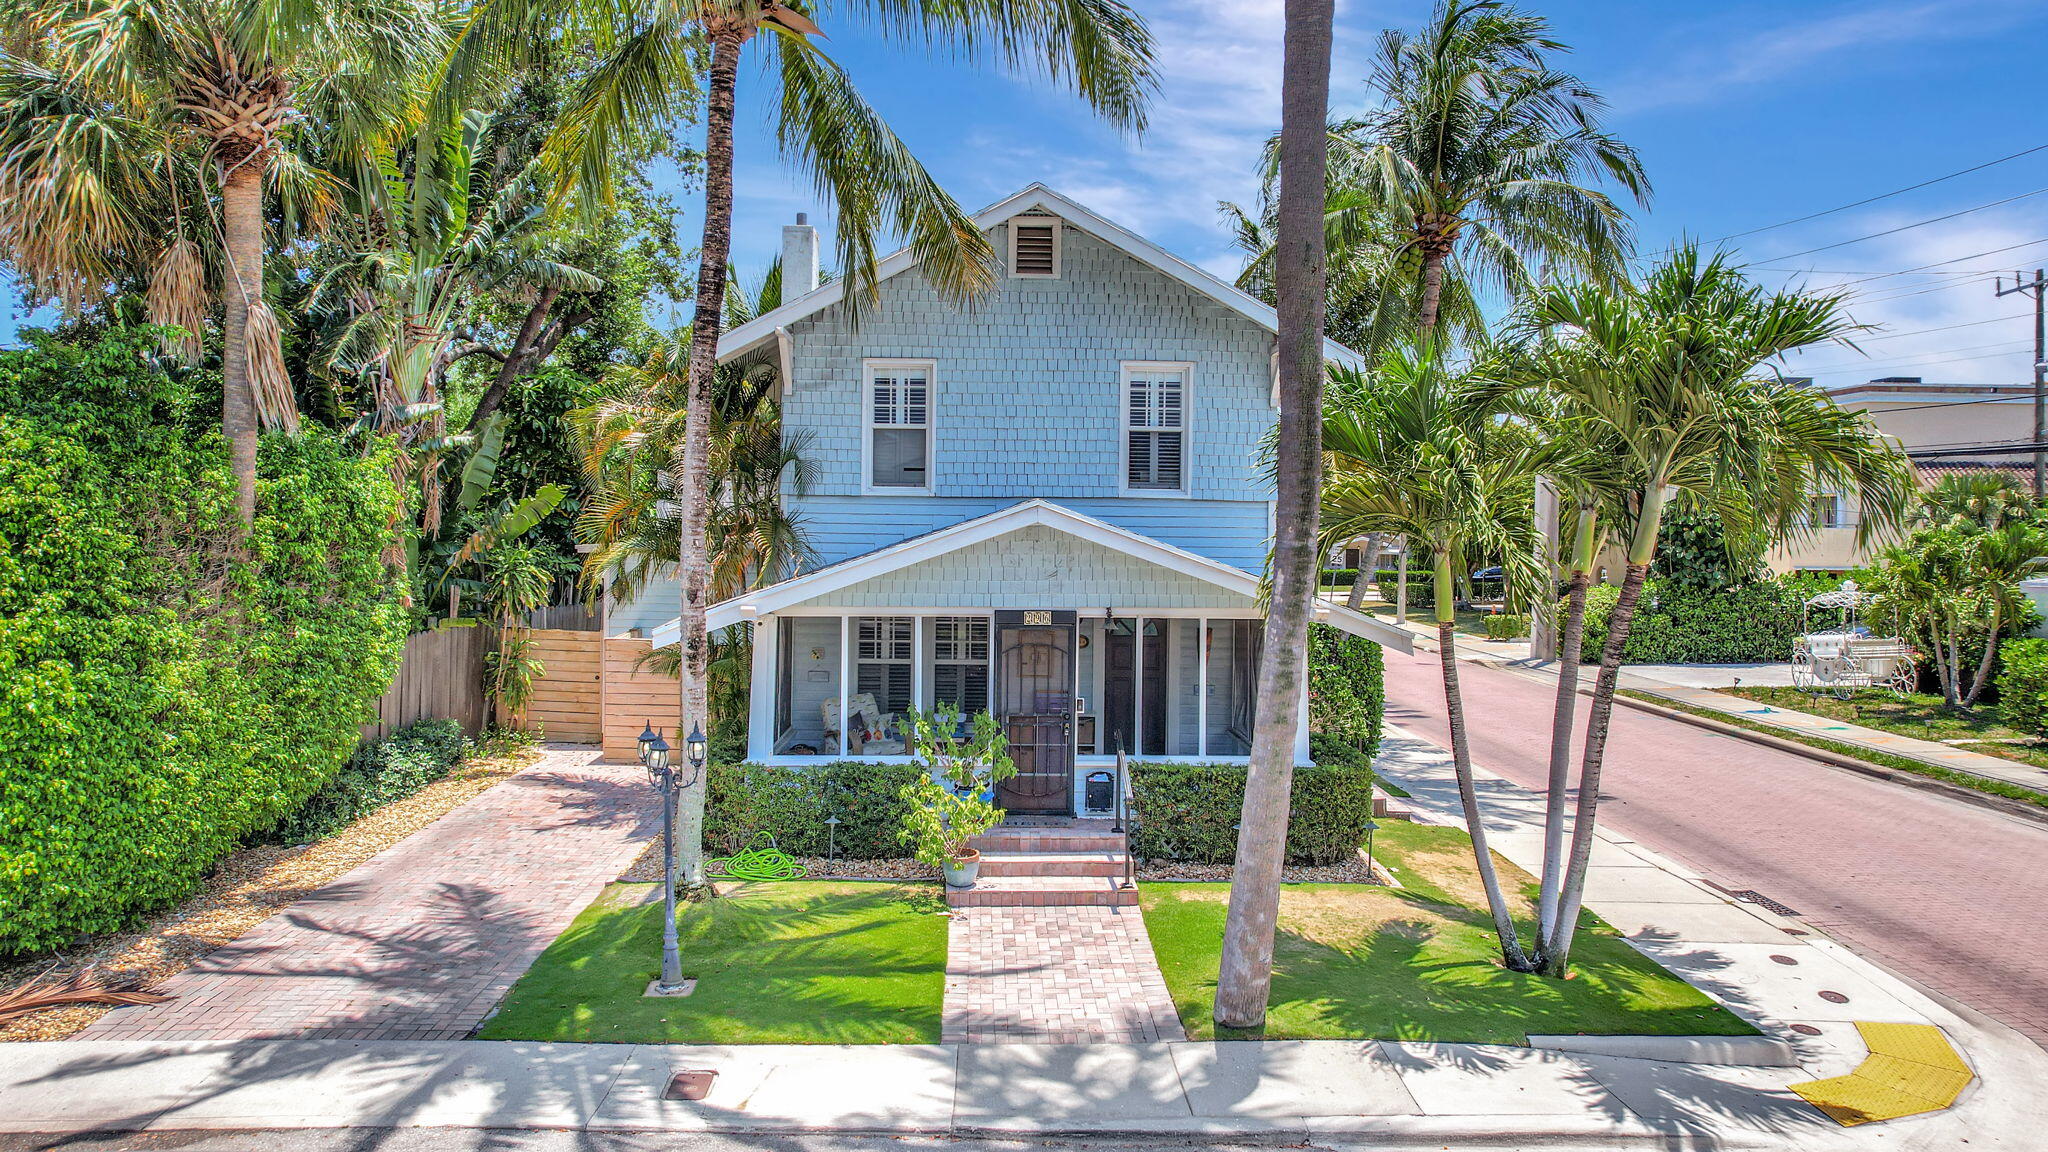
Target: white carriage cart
point(1851, 656)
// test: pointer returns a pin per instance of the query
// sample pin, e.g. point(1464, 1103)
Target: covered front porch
point(1083, 639)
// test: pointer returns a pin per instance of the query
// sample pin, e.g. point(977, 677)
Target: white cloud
point(1712, 71)
point(1949, 328)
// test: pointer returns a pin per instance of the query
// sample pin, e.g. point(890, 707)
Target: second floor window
point(1155, 427)
point(899, 425)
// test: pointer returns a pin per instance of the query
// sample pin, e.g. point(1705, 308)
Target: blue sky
point(1746, 114)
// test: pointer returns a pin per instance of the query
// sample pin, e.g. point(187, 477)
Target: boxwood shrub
point(791, 803)
point(1675, 625)
point(165, 694)
point(1506, 626)
point(378, 774)
point(1189, 812)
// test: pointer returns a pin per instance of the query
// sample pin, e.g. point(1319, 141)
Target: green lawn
point(803, 962)
point(1919, 715)
point(1418, 963)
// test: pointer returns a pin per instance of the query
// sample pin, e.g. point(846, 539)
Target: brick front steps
point(1073, 864)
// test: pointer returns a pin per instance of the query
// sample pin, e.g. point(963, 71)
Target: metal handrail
point(1124, 821)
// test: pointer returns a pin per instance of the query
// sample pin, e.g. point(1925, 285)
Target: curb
point(1743, 1051)
point(2009, 807)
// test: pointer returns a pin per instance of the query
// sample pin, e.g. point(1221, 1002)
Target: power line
point(1929, 359)
point(2016, 396)
point(1943, 328)
point(1895, 231)
point(1880, 196)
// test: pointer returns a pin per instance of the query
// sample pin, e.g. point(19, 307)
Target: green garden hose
point(758, 863)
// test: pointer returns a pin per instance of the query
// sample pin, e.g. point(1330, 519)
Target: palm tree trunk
point(1983, 677)
point(695, 560)
point(1432, 294)
point(1356, 600)
point(1557, 946)
point(242, 219)
point(1246, 974)
point(1562, 720)
point(1461, 763)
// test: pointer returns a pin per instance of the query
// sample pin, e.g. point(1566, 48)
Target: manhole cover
point(1783, 959)
point(1834, 997)
point(1752, 896)
point(1806, 1029)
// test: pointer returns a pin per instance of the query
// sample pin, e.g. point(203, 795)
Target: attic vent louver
point(1035, 246)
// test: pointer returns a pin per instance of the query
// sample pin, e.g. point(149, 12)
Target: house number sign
point(1040, 618)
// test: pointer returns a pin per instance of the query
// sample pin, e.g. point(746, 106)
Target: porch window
point(883, 647)
point(807, 689)
point(899, 424)
point(1233, 682)
point(960, 663)
point(1155, 427)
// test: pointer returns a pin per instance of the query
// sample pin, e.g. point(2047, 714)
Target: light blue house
point(1049, 506)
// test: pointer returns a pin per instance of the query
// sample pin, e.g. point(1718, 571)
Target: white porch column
point(845, 674)
point(1138, 686)
point(1201, 686)
point(1301, 753)
point(763, 693)
point(917, 666)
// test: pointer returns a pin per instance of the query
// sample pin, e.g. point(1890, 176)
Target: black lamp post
point(1370, 828)
point(695, 749)
point(654, 754)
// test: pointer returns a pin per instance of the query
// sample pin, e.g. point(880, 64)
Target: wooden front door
point(1034, 696)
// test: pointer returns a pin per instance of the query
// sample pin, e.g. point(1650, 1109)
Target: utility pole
point(2036, 286)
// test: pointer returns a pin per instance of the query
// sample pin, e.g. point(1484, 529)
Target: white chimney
point(799, 259)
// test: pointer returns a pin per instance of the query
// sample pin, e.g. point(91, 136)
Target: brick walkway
point(1054, 976)
point(421, 941)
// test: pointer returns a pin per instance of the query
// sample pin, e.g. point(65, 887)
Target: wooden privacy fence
point(441, 677)
point(592, 691)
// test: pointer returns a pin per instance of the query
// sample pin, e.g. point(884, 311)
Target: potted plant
point(954, 801)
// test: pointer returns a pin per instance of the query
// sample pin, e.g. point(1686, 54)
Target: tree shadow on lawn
point(795, 962)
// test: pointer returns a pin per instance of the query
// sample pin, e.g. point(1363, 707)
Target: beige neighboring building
point(1927, 419)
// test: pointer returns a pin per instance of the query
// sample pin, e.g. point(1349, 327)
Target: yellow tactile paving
point(1911, 1069)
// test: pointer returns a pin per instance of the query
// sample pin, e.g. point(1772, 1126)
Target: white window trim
point(1010, 243)
point(866, 399)
point(1124, 429)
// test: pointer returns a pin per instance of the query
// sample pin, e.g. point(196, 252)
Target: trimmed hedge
point(378, 774)
point(1673, 625)
point(1347, 696)
point(792, 804)
point(2023, 685)
point(1189, 812)
point(1506, 626)
point(164, 695)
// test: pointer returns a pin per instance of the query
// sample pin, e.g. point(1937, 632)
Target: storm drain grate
point(1752, 896)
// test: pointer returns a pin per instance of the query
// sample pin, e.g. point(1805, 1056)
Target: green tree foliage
point(166, 693)
point(1679, 623)
point(2023, 685)
point(1696, 552)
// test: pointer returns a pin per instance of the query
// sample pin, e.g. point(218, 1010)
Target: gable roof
point(919, 549)
point(762, 328)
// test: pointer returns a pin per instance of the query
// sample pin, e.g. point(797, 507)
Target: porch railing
point(1124, 821)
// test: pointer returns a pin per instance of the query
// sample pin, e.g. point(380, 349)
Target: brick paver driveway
point(1939, 891)
point(421, 941)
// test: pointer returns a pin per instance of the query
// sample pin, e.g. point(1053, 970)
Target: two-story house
point(1050, 505)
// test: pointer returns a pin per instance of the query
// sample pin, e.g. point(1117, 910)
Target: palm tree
point(116, 118)
point(1413, 448)
point(646, 71)
point(1299, 275)
point(1671, 377)
point(1478, 160)
point(1983, 499)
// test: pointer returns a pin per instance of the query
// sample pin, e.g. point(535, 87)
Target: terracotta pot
point(960, 870)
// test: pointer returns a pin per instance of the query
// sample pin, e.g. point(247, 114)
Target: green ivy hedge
point(1189, 812)
point(2023, 684)
point(1347, 696)
point(792, 804)
point(164, 695)
point(378, 774)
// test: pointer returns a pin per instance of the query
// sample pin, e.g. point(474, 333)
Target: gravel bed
point(242, 891)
